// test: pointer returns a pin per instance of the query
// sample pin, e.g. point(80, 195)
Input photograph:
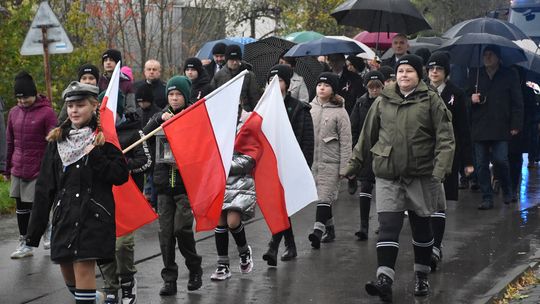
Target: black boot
point(195, 279)
point(315, 238)
point(290, 249)
point(421, 284)
point(271, 254)
point(436, 257)
point(329, 235)
point(362, 234)
point(168, 289)
point(382, 288)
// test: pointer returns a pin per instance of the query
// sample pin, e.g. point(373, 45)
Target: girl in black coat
point(374, 83)
point(302, 125)
point(454, 98)
point(76, 179)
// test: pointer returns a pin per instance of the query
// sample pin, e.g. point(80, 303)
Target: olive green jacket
point(409, 136)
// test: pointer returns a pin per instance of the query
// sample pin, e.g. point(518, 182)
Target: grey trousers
point(176, 225)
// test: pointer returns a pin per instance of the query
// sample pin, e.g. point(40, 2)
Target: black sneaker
point(168, 289)
point(195, 280)
point(421, 284)
point(129, 292)
point(382, 288)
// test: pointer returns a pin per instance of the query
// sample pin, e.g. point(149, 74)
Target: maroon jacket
point(25, 135)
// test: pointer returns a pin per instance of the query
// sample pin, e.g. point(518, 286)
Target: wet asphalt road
point(483, 250)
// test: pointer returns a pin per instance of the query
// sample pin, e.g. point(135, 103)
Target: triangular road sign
point(58, 39)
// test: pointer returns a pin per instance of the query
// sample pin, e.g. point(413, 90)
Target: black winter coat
point(455, 100)
point(158, 91)
point(350, 88)
point(211, 69)
point(146, 114)
point(167, 178)
point(200, 87)
point(250, 89)
point(139, 159)
point(503, 107)
point(302, 124)
point(358, 116)
point(83, 221)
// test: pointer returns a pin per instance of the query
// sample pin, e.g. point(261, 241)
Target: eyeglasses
point(436, 68)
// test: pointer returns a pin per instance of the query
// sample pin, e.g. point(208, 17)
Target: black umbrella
point(467, 50)
point(381, 16)
point(264, 54)
point(324, 46)
point(486, 25)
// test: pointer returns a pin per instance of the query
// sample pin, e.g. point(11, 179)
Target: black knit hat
point(283, 71)
point(441, 59)
point(24, 85)
point(357, 62)
point(412, 60)
point(388, 72)
point(219, 48)
point(373, 75)
point(144, 93)
point(233, 51)
point(193, 63)
point(331, 79)
point(88, 69)
point(113, 54)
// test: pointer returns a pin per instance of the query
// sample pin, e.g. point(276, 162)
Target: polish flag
point(131, 207)
point(283, 181)
point(202, 140)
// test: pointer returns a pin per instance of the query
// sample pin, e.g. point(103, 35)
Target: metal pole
point(45, 43)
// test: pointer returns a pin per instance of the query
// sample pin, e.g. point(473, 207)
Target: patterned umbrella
point(264, 54)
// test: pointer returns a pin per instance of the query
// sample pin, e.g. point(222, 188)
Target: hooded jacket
point(26, 130)
point(409, 136)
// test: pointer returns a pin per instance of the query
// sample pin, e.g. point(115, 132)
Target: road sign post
point(46, 36)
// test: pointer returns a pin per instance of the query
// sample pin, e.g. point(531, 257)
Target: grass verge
point(7, 204)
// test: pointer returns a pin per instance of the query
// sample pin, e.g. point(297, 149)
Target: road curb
point(510, 279)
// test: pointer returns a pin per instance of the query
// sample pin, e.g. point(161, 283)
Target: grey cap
point(76, 91)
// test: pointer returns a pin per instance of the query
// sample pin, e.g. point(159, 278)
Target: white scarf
point(72, 148)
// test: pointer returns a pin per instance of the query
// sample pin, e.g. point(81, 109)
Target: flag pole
point(223, 86)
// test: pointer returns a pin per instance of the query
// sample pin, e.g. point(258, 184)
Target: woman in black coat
point(374, 83)
point(302, 125)
point(455, 100)
point(76, 178)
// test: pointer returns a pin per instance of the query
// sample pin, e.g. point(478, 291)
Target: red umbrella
point(370, 39)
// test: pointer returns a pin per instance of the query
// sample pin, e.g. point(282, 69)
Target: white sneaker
point(129, 292)
point(100, 297)
point(22, 250)
point(246, 262)
point(47, 238)
point(222, 273)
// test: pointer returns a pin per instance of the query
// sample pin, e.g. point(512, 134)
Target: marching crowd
point(405, 131)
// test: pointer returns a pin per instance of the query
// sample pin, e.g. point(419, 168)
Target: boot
point(168, 289)
point(363, 233)
point(195, 279)
point(315, 238)
point(421, 284)
point(436, 257)
point(382, 288)
point(290, 249)
point(329, 235)
point(271, 254)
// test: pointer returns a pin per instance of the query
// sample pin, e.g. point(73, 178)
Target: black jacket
point(158, 91)
point(358, 116)
point(200, 87)
point(139, 159)
point(146, 114)
point(211, 69)
point(350, 88)
point(167, 178)
point(83, 220)
point(502, 110)
point(250, 89)
point(302, 124)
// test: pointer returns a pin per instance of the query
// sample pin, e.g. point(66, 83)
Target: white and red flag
point(132, 210)
point(202, 141)
point(283, 181)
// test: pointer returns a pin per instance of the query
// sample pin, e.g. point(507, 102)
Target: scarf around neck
point(72, 148)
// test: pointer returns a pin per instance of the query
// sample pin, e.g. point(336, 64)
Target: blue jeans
point(499, 157)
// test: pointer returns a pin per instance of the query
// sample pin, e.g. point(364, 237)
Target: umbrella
point(432, 40)
point(206, 50)
point(365, 48)
point(305, 36)
point(486, 25)
point(324, 46)
point(381, 15)
point(264, 54)
point(384, 40)
point(467, 50)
